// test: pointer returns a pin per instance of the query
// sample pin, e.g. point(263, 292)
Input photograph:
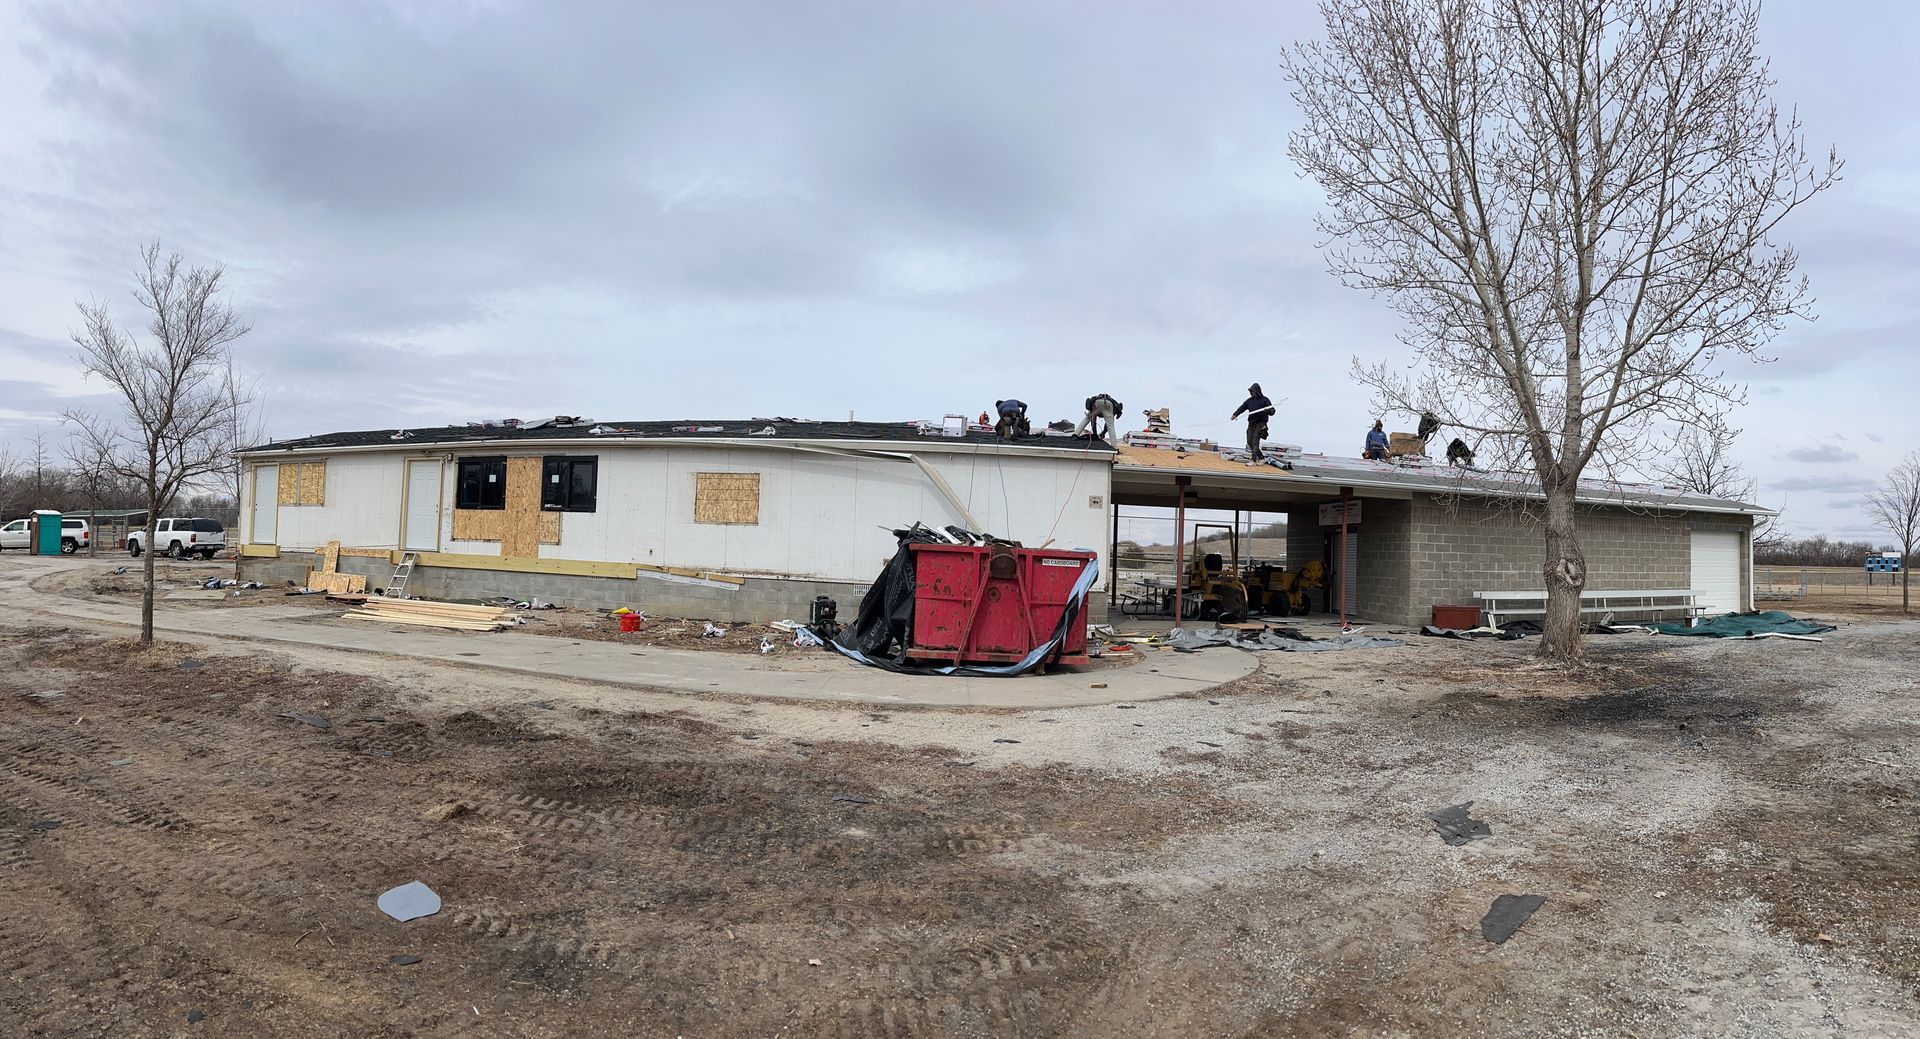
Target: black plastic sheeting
point(1506, 632)
point(880, 634)
point(1456, 828)
point(1507, 914)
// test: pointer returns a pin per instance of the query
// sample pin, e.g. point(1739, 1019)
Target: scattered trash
point(447, 812)
point(1825, 938)
point(310, 719)
point(850, 799)
point(51, 694)
point(189, 664)
point(1098, 685)
point(805, 638)
point(407, 961)
point(117, 762)
point(374, 718)
point(1123, 707)
point(1001, 740)
point(1507, 914)
point(713, 631)
point(1286, 640)
point(1204, 743)
point(194, 1016)
point(1216, 703)
point(409, 901)
point(1454, 827)
point(766, 645)
point(813, 963)
point(46, 824)
point(118, 570)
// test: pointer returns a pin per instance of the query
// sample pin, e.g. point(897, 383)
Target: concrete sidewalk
point(1161, 674)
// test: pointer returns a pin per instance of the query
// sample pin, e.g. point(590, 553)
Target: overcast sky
point(436, 212)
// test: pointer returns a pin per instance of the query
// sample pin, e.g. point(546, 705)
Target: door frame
point(253, 505)
point(406, 492)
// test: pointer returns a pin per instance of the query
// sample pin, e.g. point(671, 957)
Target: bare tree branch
point(1896, 508)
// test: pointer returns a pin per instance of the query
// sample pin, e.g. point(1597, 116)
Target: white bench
point(1496, 606)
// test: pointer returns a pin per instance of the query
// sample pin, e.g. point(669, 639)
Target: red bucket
point(629, 622)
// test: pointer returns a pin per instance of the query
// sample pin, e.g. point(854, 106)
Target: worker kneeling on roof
point(1013, 419)
point(1376, 443)
point(1258, 410)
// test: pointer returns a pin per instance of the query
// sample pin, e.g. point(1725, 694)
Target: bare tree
point(177, 409)
point(1572, 203)
point(1896, 508)
point(1699, 461)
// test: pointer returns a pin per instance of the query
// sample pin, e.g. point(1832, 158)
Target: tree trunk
point(146, 589)
point(1566, 578)
point(1906, 576)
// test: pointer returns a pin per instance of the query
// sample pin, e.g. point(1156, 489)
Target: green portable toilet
point(46, 532)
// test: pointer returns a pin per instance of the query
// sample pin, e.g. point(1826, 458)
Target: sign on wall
point(1330, 513)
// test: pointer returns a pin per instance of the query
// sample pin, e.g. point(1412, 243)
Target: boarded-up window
point(303, 483)
point(726, 498)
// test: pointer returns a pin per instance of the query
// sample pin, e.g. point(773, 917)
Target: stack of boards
point(452, 615)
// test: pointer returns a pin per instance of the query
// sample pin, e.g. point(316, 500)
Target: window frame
point(560, 496)
point(497, 463)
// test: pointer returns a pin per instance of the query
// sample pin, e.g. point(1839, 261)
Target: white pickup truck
point(182, 537)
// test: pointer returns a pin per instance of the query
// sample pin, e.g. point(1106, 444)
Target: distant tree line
point(31, 480)
point(1817, 550)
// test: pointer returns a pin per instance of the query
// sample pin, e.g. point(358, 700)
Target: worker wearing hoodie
point(1258, 410)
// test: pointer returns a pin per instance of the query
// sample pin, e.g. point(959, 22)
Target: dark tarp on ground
point(883, 629)
point(1746, 625)
point(1506, 632)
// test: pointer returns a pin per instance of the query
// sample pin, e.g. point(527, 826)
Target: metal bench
point(1496, 607)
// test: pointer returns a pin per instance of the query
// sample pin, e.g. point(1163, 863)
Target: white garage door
point(1716, 571)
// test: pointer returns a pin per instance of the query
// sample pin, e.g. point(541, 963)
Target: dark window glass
point(569, 484)
point(206, 526)
point(481, 484)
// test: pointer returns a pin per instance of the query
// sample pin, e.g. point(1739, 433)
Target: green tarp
point(1745, 625)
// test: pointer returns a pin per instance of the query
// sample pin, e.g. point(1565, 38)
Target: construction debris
point(409, 902)
point(449, 615)
point(1456, 828)
point(1507, 914)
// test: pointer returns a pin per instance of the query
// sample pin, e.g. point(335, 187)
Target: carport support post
point(1180, 484)
point(1346, 498)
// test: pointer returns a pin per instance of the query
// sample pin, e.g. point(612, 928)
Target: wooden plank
point(375, 604)
point(478, 524)
point(329, 557)
point(289, 486)
point(260, 551)
point(368, 553)
point(424, 622)
point(429, 606)
point(336, 582)
point(726, 498)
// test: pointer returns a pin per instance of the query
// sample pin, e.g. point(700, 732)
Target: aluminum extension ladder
point(397, 588)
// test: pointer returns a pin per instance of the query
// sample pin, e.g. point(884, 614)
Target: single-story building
point(1419, 534)
point(751, 519)
point(743, 520)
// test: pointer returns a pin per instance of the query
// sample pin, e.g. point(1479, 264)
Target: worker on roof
point(1258, 410)
point(1013, 419)
point(1101, 409)
point(1376, 449)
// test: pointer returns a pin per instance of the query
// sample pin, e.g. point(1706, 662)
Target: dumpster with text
point(993, 604)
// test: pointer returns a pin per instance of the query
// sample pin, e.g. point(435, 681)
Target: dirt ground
point(1725, 834)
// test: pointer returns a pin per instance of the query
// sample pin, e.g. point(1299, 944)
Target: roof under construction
point(509, 433)
point(1143, 476)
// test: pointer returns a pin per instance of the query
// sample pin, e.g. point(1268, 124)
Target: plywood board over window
point(519, 526)
point(731, 498)
point(303, 483)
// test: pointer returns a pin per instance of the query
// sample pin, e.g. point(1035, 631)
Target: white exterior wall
point(362, 505)
point(821, 516)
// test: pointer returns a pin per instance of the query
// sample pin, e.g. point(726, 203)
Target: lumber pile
point(450, 615)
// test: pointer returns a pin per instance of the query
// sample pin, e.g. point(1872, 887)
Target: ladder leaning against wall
point(397, 588)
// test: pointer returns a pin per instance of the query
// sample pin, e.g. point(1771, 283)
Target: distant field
point(1815, 582)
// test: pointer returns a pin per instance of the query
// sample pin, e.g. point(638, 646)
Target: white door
point(266, 505)
point(1716, 571)
point(422, 532)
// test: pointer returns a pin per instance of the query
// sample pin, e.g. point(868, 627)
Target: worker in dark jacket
point(1258, 410)
point(1376, 443)
point(1013, 419)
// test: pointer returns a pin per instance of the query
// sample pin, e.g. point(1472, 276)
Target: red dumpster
point(993, 604)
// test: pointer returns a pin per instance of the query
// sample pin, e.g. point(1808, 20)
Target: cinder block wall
point(759, 601)
point(1381, 558)
point(1461, 546)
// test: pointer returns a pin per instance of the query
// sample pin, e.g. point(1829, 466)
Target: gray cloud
point(440, 212)
point(1822, 454)
point(1839, 483)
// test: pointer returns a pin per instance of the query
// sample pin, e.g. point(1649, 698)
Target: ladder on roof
point(397, 588)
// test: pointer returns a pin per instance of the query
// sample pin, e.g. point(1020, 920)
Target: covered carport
point(1205, 480)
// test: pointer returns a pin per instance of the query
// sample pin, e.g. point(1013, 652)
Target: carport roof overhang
point(1253, 490)
point(1146, 477)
